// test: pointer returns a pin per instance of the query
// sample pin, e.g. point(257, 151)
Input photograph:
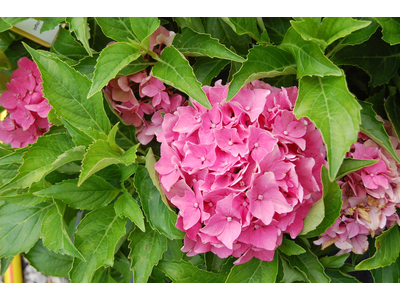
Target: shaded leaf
point(334, 261)
point(340, 277)
point(390, 29)
point(206, 68)
point(388, 274)
point(147, 249)
point(81, 28)
point(95, 238)
point(67, 46)
point(244, 25)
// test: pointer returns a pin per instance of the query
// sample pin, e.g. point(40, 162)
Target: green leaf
point(374, 128)
point(134, 67)
point(254, 271)
point(332, 199)
point(309, 57)
point(388, 274)
point(8, 172)
point(147, 249)
point(206, 68)
point(81, 28)
point(67, 46)
point(331, 29)
point(111, 60)
point(289, 247)
point(174, 70)
point(128, 207)
point(277, 28)
point(47, 154)
point(392, 108)
point(160, 217)
point(308, 264)
point(390, 29)
point(262, 62)
point(48, 262)
point(193, 23)
point(387, 246)
point(4, 264)
point(63, 85)
point(4, 25)
point(118, 28)
point(50, 23)
point(377, 58)
point(191, 43)
point(100, 155)
point(79, 136)
point(95, 238)
point(314, 217)
point(337, 120)
point(350, 165)
point(220, 30)
point(340, 277)
point(93, 193)
point(184, 272)
point(25, 196)
point(334, 262)
point(20, 227)
point(54, 233)
point(244, 25)
point(143, 27)
point(86, 65)
point(291, 274)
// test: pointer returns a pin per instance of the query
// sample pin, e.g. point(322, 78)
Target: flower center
point(256, 145)
point(203, 158)
point(196, 205)
point(230, 143)
point(229, 219)
point(285, 132)
point(260, 197)
point(242, 183)
point(247, 108)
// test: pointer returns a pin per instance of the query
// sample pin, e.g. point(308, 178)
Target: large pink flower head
point(370, 197)
point(141, 100)
point(27, 108)
point(241, 174)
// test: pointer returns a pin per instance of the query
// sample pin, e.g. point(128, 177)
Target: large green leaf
point(101, 154)
point(67, 90)
point(334, 261)
point(81, 28)
point(25, 196)
point(54, 233)
point(184, 272)
point(48, 262)
point(254, 271)
point(309, 265)
point(46, 155)
point(374, 128)
point(95, 238)
point(329, 30)
point(160, 217)
point(147, 248)
point(191, 43)
point(289, 247)
point(20, 227)
point(111, 60)
point(388, 274)
point(387, 246)
point(328, 103)
point(4, 25)
point(8, 172)
point(143, 27)
point(390, 29)
point(67, 46)
point(175, 70)
point(117, 28)
point(277, 27)
point(262, 62)
point(332, 204)
point(244, 25)
point(337, 276)
point(93, 193)
point(309, 57)
point(193, 23)
point(50, 22)
point(392, 108)
point(376, 57)
point(127, 206)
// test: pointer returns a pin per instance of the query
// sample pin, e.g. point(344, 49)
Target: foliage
point(86, 197)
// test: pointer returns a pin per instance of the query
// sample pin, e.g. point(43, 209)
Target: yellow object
point(14, 271)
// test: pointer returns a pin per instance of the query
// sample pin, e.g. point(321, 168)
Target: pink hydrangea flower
point(27, 108)
point(370, 197)
point(241, 174)
point(141, 100)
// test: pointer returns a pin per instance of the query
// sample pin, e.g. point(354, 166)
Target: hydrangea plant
point(202, 149)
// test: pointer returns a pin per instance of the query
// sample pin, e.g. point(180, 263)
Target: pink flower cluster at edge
point(241, 174)
point(141, 99)
point(370, 197)
point(27, 108)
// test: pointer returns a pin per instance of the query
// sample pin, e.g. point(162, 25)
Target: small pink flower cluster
point(27, 108)
point(146, 114)
point(370, 197)
point(242, 173)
